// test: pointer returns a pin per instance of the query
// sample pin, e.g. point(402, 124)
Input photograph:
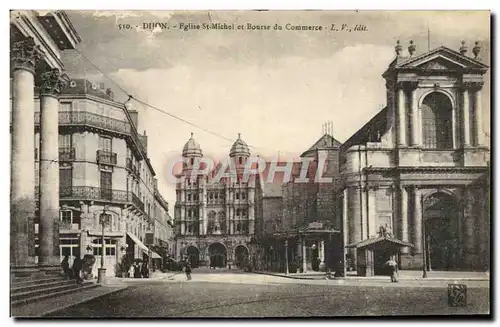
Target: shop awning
point(142, 246)
point(374, 241)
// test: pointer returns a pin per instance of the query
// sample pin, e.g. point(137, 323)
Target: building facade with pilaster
point(418, 170)
point(38, 39)
point(214, 220)
point(103, 176)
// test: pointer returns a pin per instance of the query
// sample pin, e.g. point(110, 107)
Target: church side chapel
point(416, 176)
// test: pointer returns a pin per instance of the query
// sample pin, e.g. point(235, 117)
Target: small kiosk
point(373, 253)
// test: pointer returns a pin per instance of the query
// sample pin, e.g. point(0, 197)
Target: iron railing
point(106, 157)
point(66, 154)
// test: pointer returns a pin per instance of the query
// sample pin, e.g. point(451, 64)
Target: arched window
point(240, 160)
point(437, 126)
point(192, 161)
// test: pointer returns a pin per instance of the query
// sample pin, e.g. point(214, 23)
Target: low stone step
point(85, 286)
point(35, 286)
point(43, 290)
point(26, 282)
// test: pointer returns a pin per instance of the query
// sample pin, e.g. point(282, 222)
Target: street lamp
point(286, 257)
point(101, 272)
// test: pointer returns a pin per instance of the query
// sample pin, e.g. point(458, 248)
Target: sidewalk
point(48, 306)
point(403, 275)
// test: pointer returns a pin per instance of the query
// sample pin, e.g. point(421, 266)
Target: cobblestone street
point(250, 295)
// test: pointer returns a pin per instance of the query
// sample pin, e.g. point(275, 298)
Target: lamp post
point(286, 257)
point(101, 272)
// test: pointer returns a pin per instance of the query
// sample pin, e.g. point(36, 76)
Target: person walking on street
point(393, 270)
point(77, 267)
point(65, 267)
point(137, 270)
point(145, 270)
point(188, 271)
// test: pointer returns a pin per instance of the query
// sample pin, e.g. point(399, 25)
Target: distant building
point(416, 172)
point(164, 227)
point(215, 220)
point(305, 215)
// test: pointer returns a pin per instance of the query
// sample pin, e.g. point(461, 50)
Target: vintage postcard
point(248, 164)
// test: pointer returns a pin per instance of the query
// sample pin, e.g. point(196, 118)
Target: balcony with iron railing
point(137, 202)
point(133, 168)
point(96, 193)
point(83, 118)
point(66, 154)
point(106, 157)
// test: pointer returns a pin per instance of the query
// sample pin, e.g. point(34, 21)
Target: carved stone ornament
point(472, 85)
point(52, 82)
point(25, 54)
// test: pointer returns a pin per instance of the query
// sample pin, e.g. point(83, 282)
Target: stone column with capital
point(417, 221)
point(404, 217)
point(401, 110)
point(466, 118)
point(470, 214)
point(52, 83)
point(478, 115)
point(416, 127)
point(24, 56)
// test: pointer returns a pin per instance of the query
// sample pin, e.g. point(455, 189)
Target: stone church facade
point(419, 169)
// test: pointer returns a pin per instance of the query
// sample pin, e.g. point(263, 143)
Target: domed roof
point(192, 148)
point(239, 148)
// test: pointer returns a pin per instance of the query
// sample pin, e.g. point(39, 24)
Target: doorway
point(218, 255)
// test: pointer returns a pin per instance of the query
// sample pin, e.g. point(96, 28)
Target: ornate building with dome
point(214, 218)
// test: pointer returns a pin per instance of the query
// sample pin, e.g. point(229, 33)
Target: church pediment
point(442, 59)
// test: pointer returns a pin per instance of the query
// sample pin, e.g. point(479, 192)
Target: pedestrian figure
point(77, 267)
point(145, 270)
point(131, 271)
point(393, 269)
point(137, 270)
point(188, 271)
point(65, 266)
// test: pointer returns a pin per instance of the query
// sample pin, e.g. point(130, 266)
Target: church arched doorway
point(440, 213)
point(193, 256)
point(218, 255)
point(241, 256)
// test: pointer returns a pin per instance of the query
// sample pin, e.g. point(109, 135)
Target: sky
point(276, 88)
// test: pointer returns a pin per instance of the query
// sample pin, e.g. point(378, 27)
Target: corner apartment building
point(104, 175)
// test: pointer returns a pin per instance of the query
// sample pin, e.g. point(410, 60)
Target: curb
point(119, 289)
point(315, 277)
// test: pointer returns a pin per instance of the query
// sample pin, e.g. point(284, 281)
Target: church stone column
point(469, 228)
point(401, 114)
point(372, 213)
point(404, 217)
point(416, 127)
point(49, 168)
point(24, 55)
point(478, 116)
point(417, 221)
point(465, 114)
